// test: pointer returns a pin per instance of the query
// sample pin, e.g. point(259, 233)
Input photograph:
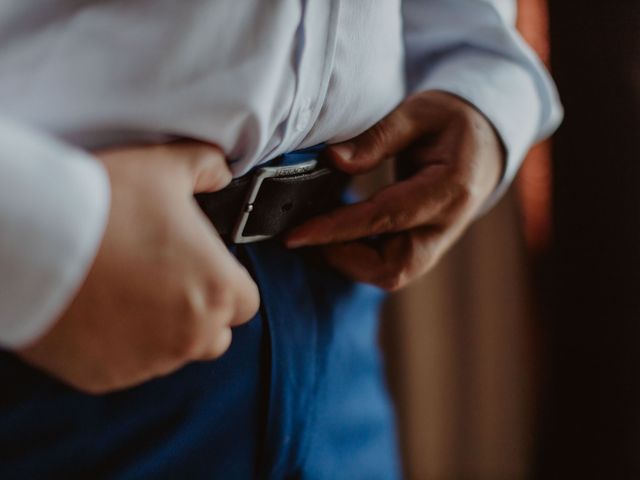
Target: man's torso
point(257, 78)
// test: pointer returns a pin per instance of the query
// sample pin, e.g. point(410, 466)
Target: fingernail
point(345, 151)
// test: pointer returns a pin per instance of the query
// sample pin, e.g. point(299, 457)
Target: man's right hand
point(163, 290)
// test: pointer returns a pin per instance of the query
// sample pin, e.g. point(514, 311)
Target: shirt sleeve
point(54, 203)
point(470, 48)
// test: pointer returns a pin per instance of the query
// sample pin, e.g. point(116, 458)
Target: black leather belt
point(270, 200)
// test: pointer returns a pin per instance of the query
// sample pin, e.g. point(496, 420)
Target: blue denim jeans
point(299, 394)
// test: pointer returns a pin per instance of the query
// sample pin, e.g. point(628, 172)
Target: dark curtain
point(590, 427)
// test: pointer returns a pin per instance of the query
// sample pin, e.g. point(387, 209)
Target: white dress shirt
point(257, 77)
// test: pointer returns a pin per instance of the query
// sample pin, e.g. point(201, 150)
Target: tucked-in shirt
point(256, 77)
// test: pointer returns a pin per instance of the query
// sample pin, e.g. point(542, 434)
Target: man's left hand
point(448, 161)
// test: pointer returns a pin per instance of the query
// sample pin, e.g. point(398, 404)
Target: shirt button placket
point(304, 115)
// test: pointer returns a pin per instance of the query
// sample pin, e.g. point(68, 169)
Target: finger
point(358, 261)
point(399, 259)
point(230, 291)
point(248, 301)
point(239, 282)
point(206, 165)
point(392, 134)
point(401, 206)
point(218, 344)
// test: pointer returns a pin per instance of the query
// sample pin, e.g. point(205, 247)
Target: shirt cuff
point(505, 93)
point(54, 205)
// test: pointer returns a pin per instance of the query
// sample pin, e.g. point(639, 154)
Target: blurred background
point(519, 356)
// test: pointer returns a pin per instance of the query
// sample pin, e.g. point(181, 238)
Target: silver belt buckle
point(261, 174)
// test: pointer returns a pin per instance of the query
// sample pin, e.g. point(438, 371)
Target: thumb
point(210, 169)
point(206, 164)
point(386, 138)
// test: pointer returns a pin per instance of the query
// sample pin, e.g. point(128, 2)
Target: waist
point(274, 197)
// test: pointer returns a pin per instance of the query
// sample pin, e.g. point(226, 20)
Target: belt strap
point(271, 200)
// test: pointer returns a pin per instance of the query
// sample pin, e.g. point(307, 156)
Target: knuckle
point(186, 345)
point(190, 304)
point(384, 222)
point(195, 341)
point(220, 306)
point(458, 194)
point(212, 299)
point(192, 312)
point(379, 136)
point(219, 344)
